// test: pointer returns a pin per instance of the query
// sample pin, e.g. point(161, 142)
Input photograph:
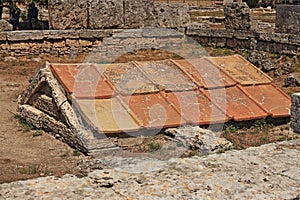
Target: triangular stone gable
point(45, 105)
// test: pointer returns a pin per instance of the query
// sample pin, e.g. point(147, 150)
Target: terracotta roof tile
point(171, 93)
point(83, 81)
point(108, 115)
point(195, 107)
point(153, 111)
point(167, 75)
point(241, 70)
point(205, 73)
point(270, 98)
point(238, 105)
point(128, 79)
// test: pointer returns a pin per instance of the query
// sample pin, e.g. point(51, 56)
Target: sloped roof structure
point(83, 99)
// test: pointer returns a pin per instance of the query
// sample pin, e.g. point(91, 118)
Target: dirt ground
point(26, 153)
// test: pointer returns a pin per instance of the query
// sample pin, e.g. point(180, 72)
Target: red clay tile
point(128, 79)
point(271, 98)
point(107, 115)
point(205, 73)
point(167, 75)
point(83, 81)
point(237, 105)
point(153, 111)
point(195, 107)
point(241, 70)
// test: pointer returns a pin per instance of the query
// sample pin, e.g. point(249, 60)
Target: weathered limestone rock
point(171, 15)
point(68, 14)
point(237, 16)
point(5, 25)
point(138, 13)
point(295, 112)
point(292, 79)
point(288, 19)
point(106, 14)
point(266, 172)
point(202, 140)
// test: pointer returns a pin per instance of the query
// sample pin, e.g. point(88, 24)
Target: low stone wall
point(70, 42)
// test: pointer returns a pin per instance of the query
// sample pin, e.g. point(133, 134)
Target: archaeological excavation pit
point(84, 104)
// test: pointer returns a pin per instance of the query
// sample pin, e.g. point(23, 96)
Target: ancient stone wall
point(103, 14)
point(288, 19)
point(72, 42)
point(295, 112)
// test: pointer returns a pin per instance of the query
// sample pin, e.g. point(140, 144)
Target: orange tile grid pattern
point(158, 94)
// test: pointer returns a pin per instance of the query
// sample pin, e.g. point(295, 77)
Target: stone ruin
point(288, 19)
point(139, 98)
point(105, 14)
point(237, 16)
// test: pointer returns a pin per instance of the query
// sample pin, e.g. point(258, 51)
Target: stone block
point(171, 15)
point(68, 14)
point(288, 19)
point(138, 13)
point(237, 16)
point(106, 14)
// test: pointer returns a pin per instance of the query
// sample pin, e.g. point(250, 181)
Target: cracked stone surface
point(268, 172)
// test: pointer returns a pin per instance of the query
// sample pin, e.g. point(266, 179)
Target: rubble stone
point(237, 16)
point(293, 79)
point(5, 25)
point(202, 140)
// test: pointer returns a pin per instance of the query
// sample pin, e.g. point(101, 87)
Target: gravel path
point(268, 172)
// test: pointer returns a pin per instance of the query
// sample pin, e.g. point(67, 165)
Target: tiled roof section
point(195, 107)
point(83, 81)
point(128, 79)
point(159, 94)
point(238, 105)
point(270, 98)
point(167, 75)
point(108, 115)
point(241, 70)
point(153, 111)
point(205, 73)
